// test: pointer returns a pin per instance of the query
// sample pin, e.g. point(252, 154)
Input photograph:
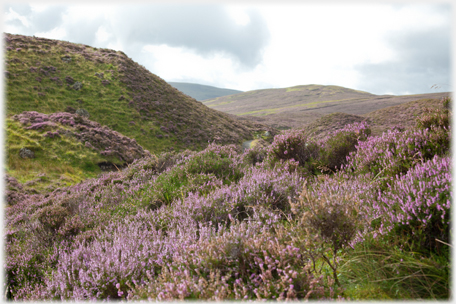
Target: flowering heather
point(100, 138)
point(221, 223)
point(419, 202)
point(293, 145)
point(395, 152)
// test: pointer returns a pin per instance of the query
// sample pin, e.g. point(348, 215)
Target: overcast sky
point(382, 48)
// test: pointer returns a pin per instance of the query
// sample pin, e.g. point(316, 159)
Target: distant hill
point(201, 92)
point(296, 106)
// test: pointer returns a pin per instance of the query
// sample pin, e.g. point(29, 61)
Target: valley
point(120, 187)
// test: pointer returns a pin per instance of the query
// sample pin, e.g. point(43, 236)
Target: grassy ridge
point(28, 89)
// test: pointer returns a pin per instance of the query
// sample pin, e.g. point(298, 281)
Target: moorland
point(120, 187)
point(293, 107)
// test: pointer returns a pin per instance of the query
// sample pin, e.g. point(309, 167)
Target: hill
point(202, 92)
point(296, 106)
point(98, 94)
point(48, 76)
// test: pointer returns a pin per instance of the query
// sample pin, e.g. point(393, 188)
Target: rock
point(26, 153)
point(66, 58)
point(83, 112)
point(77, 85)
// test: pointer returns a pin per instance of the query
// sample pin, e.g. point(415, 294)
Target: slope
point(49, 76)
point(402, 116)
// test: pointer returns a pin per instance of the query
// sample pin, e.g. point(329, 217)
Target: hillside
point(50, 76)
point(202, 92)
point(296, 106)
point(82, 110)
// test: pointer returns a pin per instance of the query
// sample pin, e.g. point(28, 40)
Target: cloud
point(422, 59)
point(36, 21)
point(205, 29)
point(202, 28)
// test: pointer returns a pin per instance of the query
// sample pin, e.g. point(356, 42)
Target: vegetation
point(347, 216)
point(51, 76)
point(88, 85)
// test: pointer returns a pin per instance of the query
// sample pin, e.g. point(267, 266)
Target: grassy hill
point(296, 106)
point(202, 92)
point(117, 92)
point(101, 86)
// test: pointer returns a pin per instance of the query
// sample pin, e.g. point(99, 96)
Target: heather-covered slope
point(296, 106)
point(50, 76)
point(202, 92)
point(401, 116)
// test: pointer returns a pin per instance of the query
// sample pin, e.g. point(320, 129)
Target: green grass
point(388, 270)
point(58, 162)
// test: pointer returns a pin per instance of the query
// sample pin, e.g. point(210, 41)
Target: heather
point(348, 216)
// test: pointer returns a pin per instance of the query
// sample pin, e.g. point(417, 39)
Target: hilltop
point(300, 105)
point(202, 92)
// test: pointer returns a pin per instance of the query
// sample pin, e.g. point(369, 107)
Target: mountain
point(202, 92)
point(84, 108)
point(296, 106)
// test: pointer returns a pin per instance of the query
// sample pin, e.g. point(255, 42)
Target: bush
point(338, 145)
point(418, 204)
point(330, 218)
point(435, 117)
point(294, 145)
point(396, 152)
point(242, 262)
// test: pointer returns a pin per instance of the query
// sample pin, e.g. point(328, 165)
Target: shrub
point(338, 145)
point(396, 152)
point(218, 160)
point(435, 117)
point(294, 145)
point(330, 218)
point(417, 204)
point(242, 262)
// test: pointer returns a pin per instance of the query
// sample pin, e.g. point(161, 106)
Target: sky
point(384, 47)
